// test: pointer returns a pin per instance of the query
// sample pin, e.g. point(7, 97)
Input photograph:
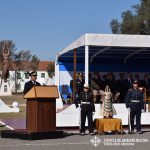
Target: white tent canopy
point(107, 48)
point(119, 40)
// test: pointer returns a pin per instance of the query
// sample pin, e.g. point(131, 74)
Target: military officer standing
point(85, 99)
point(135, 104)
point(28, 85)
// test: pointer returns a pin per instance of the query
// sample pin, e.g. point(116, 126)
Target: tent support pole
point(74, 75)
point(57, 74)
point(87, 65)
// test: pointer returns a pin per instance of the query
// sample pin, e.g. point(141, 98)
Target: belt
point(85, 103)
point(135, 101)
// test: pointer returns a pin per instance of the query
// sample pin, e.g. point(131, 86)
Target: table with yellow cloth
point(108, 124)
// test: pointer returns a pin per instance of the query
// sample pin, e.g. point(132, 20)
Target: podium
point(40, 115)
point(41, 109)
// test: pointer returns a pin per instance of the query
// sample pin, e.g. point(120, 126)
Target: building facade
point(17, 79)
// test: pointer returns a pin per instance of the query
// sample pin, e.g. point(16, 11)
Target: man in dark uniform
point(28, 85)
point(85, 99)
point(135, 104)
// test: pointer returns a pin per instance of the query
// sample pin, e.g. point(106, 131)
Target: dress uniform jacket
point(134, 99)
point(28, 85)
point(86, 101)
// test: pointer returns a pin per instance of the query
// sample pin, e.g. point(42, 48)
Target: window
point(18, 75)
point(5, 88)
point(19, 86)
point(42, 75)
point(26, 76)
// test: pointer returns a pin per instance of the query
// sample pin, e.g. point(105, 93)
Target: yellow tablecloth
point(105, 125)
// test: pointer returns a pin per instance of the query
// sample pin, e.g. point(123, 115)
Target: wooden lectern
point(41, 109)
point(40, 115)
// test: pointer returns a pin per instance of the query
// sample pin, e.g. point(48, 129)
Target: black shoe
point(82, 133)
point(92, 133)
point(139, 132)
point(131, 132)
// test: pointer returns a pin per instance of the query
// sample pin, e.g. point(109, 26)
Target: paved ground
point(73, 141)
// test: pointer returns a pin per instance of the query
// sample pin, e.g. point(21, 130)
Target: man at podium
point(28, 85)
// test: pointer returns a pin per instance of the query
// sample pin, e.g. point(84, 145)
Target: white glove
point(129, 109)
point(93, 113)
point(142, 111)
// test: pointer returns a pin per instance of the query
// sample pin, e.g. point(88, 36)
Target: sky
point(46, 27)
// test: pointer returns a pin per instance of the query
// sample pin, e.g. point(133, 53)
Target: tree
point(51, 69)
point(34, 62)
point(18, 60)
point(12, 49)
point(135, 21)
point(115, 26)
point(21, 60)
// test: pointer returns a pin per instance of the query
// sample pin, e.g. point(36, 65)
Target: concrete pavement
point(73, 141)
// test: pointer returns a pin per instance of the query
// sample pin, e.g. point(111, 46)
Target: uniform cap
point(33, 73)
point(135, 82)
point(79, 74)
